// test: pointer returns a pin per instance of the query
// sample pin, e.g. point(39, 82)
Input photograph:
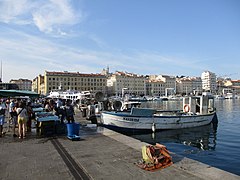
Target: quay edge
point(183, 168)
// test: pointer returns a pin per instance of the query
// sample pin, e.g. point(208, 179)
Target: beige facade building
point(35, 85)
point(169, 83)
point(120, 83)
point(51, 81)
point(38, 85)
point(155, 87)
point(23, 84)
point(189, 85)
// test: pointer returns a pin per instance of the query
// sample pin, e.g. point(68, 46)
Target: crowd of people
point(64, 109)
point(20, 114)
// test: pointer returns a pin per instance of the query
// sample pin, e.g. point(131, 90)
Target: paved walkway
point(100, 154)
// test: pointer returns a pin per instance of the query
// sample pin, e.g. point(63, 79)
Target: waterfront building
point(169, 83)
point(52, 80)
point(155, 87)
point(35, 84)
point(234, 85)
point(74, 81)
point(197, 85)
point(209, 81)
point(121, 83)
point(38, 85)
point(161, 85)
point(220, 85)
point(8, 86)
point(23, 84)
point(188, 85)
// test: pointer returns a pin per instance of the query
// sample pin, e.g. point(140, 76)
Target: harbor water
point(215, 145)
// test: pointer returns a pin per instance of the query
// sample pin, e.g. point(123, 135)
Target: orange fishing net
point(155, 157)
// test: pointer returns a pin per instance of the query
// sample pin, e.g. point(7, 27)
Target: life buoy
point(186, 108)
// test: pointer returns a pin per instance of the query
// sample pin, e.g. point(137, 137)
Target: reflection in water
point(203, 137)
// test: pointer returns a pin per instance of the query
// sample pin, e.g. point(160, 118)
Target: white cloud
point(36, 54)
point(54, 14)
point(49, 16)
point(11, 11)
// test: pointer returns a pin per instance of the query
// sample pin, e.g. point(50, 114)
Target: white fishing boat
point(197, 111)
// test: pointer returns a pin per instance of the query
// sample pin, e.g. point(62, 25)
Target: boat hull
point(126, 121)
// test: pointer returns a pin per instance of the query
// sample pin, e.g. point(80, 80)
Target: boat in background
point(228, 93)
point(197, 111)
point(69, 94)
point(219, 97)
point(230, 96)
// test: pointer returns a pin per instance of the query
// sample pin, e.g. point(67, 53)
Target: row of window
point(75, 84)
point(77, 79)
point(127, 85)
point(78, 89)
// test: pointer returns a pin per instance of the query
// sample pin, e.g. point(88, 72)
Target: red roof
point(73, 74)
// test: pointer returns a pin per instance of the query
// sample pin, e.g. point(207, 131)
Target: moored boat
point(197, 111)
point(69, 94)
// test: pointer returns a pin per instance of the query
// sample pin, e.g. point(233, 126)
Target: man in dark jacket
point(69, 112)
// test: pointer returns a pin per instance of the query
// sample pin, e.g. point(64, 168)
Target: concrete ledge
point(196, 168)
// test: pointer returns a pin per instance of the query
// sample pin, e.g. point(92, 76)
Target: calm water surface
point(218, 146)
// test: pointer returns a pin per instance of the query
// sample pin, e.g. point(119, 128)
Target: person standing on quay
point(30, 115)
point(14, 118)
point(62, 112)
point(69, 112)
point(2, 117)
point(22, 120)
point(10, 110)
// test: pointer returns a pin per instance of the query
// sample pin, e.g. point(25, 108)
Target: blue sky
point(174, 37)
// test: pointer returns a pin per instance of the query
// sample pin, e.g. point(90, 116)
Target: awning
point(14, 93)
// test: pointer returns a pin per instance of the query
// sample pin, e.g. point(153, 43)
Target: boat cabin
point(198, 104)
